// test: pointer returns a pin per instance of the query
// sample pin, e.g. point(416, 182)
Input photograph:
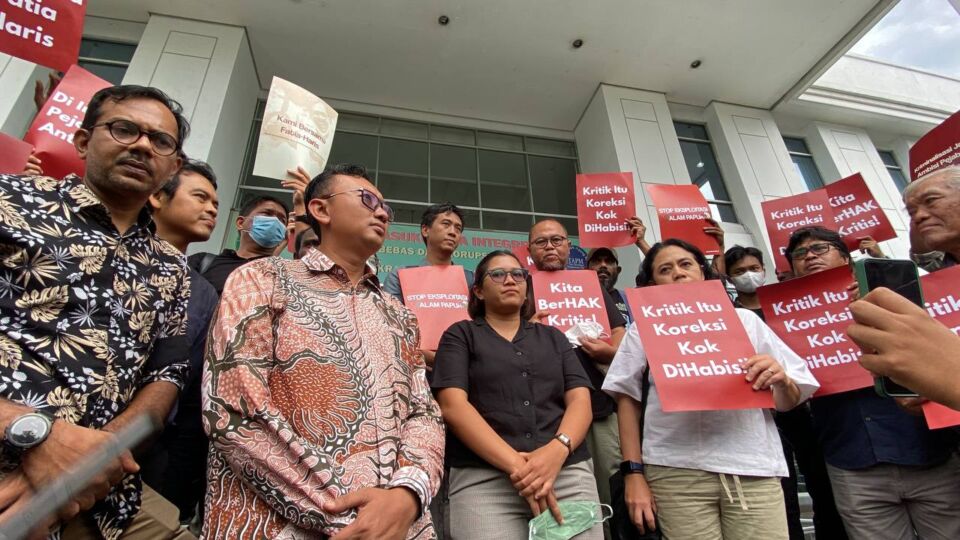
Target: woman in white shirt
point(706, 474)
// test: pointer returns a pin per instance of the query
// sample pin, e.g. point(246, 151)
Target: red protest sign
point(856, 212)
point(570, 296)
point(604, 202)
point(522, 251)
point(784, 215)
point(939, 148)
point(438, 296)
point(811, 315)
point(695, 345)
point(52, 130)
point(941, 294)
point(683, 211)
point(45, 33)
point(13, 154)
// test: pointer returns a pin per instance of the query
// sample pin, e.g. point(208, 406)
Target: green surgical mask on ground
point(578, 516)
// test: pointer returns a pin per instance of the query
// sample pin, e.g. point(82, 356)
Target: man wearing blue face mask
point(262, 226)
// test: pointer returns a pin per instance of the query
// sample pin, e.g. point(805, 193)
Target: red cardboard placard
point(522, 251)
point(683, 211)
point(13, 154)
point(787, 214)
point(939, 148)
point(811, 315)
point(604, 202)
point(695, 345)
point(46, 32)
point(570, 296)
point(856, 212)
point(941, 293)
point(438, 296)
point(52, 130)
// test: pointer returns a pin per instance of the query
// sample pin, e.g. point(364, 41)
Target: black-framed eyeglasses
point(126, 132)
point(555, 241)
point(499, 275)
point(369, 199)
point(817, 249)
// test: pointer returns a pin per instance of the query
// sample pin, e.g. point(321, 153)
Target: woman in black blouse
point(517, 404)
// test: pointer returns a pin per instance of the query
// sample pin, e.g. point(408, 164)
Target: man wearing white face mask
point(262, 226)
point(746, 271)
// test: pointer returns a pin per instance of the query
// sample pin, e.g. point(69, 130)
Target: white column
point(17, 79)
point(756, 167)
point(209, 69)
point(843, 150)
point(630, 130)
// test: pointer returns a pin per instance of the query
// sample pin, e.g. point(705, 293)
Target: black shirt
point(220, 268)
point(602, 404)
point(517, 387)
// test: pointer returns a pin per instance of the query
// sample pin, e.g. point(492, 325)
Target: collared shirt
point(220, 267)
point(517, 386)
point(743, 442)
point(88, 315)
point(391, 284)
point(859, 429)
point(313, 388)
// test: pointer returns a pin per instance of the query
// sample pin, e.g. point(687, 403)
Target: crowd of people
point(296, 400)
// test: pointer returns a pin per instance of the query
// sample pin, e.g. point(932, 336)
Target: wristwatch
point(565, 441)
point(27, 431)
point(630, 467)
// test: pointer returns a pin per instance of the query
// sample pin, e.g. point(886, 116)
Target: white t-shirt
point(743, 442)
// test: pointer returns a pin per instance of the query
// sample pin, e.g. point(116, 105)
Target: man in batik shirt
point(92, 312)
point(315, 397)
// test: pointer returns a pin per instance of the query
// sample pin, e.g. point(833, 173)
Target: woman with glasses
point(705, 474)
point(517, 404)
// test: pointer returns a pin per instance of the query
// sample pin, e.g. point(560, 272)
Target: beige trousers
point(157, 519)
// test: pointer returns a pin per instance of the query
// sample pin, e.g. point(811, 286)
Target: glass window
point(355, 149)
point(704, 170)
point(503, 181)
point(357, 122)
point(500, 140)
point(502, 221)
point(551, 147)
point(896, 173)
point(402, 173)
point(453, 135)
point(803, 162)
point(108, 60)
point(553, 181)
point(453, 175)
point(400, 128)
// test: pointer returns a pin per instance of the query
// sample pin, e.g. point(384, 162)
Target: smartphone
point(901, 277)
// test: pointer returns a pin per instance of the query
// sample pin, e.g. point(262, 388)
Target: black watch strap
point(630, 467)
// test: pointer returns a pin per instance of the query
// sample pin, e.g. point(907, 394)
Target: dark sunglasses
point(369, 199)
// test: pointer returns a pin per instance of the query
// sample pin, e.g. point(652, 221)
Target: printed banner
point(683, 211)
point(438, 296)
point(13, 154)
point(941, 293)
point(856, 212)
point(811, 315)
point(604, 202)
point(46, 32)
point(297, 130)
point(569, 297)
point(696, 345)
point(51, 133)
point(938, 149)
point(784, 215)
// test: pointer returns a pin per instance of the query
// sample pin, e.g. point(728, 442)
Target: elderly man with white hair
point(933, 203)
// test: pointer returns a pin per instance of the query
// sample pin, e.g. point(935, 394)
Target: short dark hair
point(434, 211)
point(646, 269)
point(475, 306)
point(193, 166)
point(253, 203)
point(320, 185)
point(117, 94)
point(298, 240)
point(738, 253)
point(815, 232)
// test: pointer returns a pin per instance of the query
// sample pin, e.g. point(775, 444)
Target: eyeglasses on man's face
point(369, 199)
point(817, 249)
point(499, 275)
point(126, 132)
point(555, 241)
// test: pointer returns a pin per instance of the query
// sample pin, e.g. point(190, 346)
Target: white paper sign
point(297, 130)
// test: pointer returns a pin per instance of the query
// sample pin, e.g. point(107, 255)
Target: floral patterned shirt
point(313, 388)
point(88, 316)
